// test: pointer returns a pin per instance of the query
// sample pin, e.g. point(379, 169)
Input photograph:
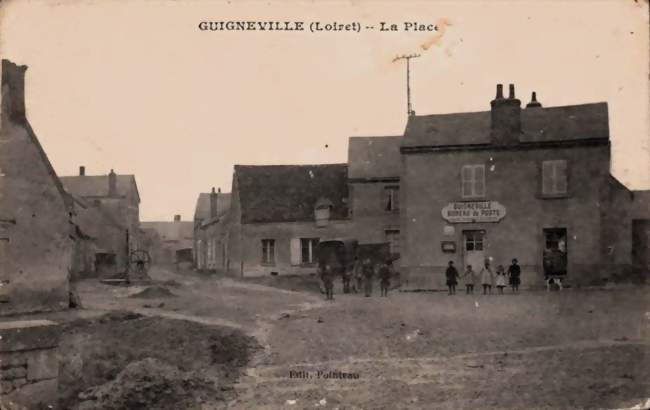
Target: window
point(473, 240)
point(391, 199)
point(268, 251)
point(473, 181)
point(554, 178)
point(308, 249)
point(392, 237)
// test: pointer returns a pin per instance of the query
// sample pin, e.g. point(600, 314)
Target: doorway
point(474, 254)
point(555, 252)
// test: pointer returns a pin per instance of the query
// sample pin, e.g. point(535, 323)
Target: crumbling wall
point(29, 366)
point(34, 212)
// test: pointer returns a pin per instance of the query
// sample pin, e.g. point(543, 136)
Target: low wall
point(29, 367)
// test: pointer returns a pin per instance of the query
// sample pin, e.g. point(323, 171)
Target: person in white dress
point(501, 279)
point(487, 277)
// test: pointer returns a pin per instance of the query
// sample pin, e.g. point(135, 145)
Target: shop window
point(392, 237)
point(391, 199)
point(308, 250)
point(268, 251)
point(554, 178)
point(473, 181)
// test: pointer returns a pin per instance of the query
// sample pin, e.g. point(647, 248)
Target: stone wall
point(29, 367)
point(35, 224)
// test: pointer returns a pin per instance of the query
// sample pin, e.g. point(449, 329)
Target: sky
point(137, 87)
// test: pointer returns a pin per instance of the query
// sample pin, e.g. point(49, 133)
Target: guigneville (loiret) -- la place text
point(314, 26)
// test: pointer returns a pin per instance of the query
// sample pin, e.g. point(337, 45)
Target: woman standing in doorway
point(487, 277)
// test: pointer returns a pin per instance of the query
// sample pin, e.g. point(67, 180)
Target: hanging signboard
point(473, 211)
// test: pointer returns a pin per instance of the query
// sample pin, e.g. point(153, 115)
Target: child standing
point(470, 279)
point(452, 278)
point(487, 277)
point(501, 278)
point(328, 282)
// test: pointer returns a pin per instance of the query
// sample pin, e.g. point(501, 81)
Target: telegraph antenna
point(408, 58)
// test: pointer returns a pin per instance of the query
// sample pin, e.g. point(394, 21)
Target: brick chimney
point(13, 90)
point(533, 101)
point(177, 218)
point(82, 171)
point(506, 117)
point(112, 184)
point(213, 203)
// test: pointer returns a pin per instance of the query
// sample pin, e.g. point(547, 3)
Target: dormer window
point(322, 211)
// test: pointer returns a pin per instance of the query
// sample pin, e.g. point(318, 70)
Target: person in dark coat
point(514, 272)
point(346, 276)
point(327, 277)
point(452, 277)
point(385, 271)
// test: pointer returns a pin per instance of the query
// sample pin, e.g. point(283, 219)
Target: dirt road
point(575, 349)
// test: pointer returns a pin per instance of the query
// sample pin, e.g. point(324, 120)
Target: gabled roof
point(202, 209)
point(13, 78)
point(170, 231)
point(97, 185)
point(374, 157)
point(91, 221)
point(538, 124)
point(288, 193)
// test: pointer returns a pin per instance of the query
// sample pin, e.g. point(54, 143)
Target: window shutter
point(466, 181)
point(479, 180)
point(295, 251)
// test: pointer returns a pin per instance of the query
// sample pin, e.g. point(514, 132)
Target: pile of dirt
point(296, 283)
point(94, 352)
point(150, 383)
point(172, 283)
point(154, 292)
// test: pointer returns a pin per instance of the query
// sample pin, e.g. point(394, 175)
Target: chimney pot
point(533, 101)
point(511, 91)
point(112, 184)
point(213, 204)
point(499, 92)
point(82, 170)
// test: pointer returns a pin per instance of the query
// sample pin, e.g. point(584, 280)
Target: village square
point(490, 258)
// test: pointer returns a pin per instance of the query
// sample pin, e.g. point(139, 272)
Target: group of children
point(486, 277)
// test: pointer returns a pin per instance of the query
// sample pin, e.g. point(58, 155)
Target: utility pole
point(409, 110)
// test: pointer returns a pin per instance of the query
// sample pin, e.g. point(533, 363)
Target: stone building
point(99, 237)
point(170, 242)
point(117, 198)
point(529, 183)
point(36, 230)
point(279, 214)
point(374, 171)
point(211, 220)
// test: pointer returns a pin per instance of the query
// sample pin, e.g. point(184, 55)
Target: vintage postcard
point(324, 204)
